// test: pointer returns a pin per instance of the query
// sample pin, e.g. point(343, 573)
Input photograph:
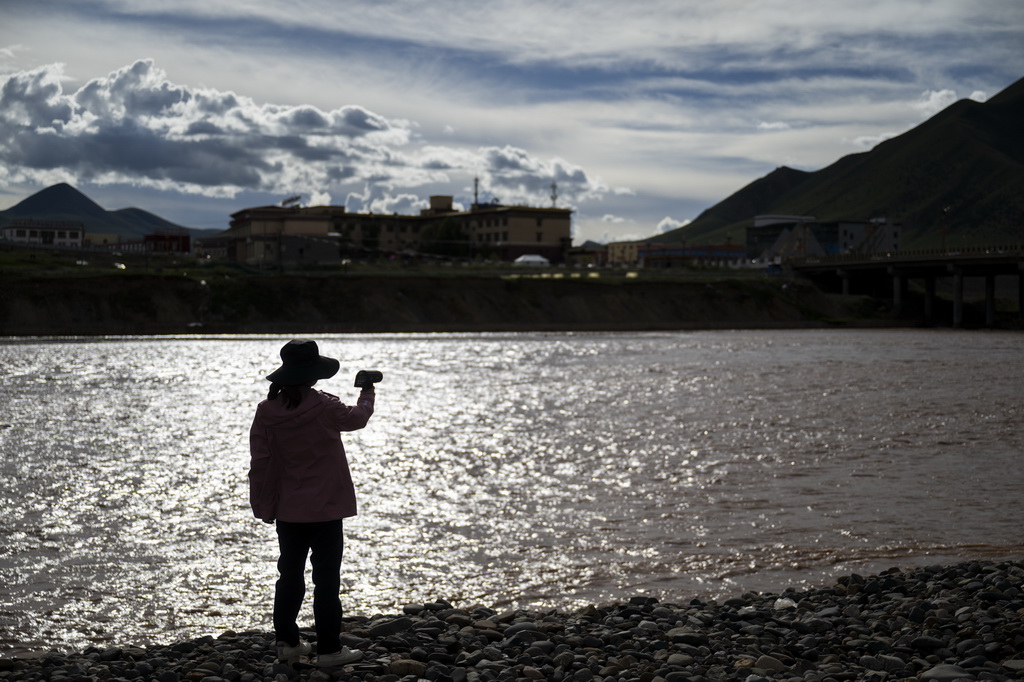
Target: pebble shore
point(939, 623)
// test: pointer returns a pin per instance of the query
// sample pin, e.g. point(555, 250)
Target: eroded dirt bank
point(152, 304)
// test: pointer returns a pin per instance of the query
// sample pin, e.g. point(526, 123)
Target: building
point(99, 240)
point(163, 240)
point(323, 235)
point(623, 253)
point(589, 254)
point(775, 238)
point(662, 255)
point(45, 232)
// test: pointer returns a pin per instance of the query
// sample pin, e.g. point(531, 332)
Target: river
point(511, 470)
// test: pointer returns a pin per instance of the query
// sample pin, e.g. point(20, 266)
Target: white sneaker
point(291, 654)
point(338, 658)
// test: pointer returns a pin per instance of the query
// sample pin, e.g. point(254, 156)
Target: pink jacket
point(298, 471)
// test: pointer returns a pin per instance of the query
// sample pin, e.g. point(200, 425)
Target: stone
point(871, 663)
point(522, 626)
point(408, 666)
point(892, 663)
point(946, 673)
point(583, 675)
point(771, 663)
point(681, 660)
point(924, 620)
point(927, 643)
point(390, 626)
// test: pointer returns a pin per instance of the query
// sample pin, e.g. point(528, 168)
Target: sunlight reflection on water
point(505, 469)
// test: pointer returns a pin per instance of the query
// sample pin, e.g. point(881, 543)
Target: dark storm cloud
point(135, 126)
point(33, 97)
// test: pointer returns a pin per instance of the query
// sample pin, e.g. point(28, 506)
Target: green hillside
point(957, 178)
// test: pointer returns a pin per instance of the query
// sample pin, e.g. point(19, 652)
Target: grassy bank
point(55, 293)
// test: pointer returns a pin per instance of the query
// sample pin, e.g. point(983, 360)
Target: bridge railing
point(912, 255)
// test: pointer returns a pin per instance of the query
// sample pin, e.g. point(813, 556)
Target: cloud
point(871, 141)
point(774, 125)
point(668, 224)
point(515, 176)
point(667, 34)
point(934, 101)
point(135, 126)
point(379, 199)
point(319, 199)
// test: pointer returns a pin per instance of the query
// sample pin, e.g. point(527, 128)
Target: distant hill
point(64, 202)
point(958, 177)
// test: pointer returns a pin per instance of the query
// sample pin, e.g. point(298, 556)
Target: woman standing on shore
point(299, 477)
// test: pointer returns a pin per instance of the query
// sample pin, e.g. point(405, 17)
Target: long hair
point(291, 396)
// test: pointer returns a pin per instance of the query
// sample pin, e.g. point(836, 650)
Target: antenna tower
point(554, 193)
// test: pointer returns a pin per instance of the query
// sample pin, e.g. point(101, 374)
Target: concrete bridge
point(887, 276)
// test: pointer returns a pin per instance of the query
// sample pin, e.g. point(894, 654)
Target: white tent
point(531, 259)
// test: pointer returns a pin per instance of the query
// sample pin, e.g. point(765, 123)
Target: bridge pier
point(1020, 291)
point(929, 299)
point(899, 289)
point(990, 300)
point(958, 297)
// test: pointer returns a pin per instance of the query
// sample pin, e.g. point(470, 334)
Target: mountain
point(64, 202)
point(959, 176)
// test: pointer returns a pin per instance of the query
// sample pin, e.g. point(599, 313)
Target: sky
point(641, 114)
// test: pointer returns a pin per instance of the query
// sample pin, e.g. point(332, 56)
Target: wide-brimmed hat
point(302, 363)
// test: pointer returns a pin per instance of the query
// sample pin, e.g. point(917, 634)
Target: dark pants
point(324, 540)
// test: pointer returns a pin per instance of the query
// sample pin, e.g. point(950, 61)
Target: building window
point(540, 236)
point(540, 222)
point(21, 233)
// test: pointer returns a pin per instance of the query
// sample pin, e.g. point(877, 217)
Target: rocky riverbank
point(124, 303)
point(938, 623)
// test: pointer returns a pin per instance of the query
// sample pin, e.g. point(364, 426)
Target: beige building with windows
point(623, 253)
point(46, 232)
point(322, 235)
